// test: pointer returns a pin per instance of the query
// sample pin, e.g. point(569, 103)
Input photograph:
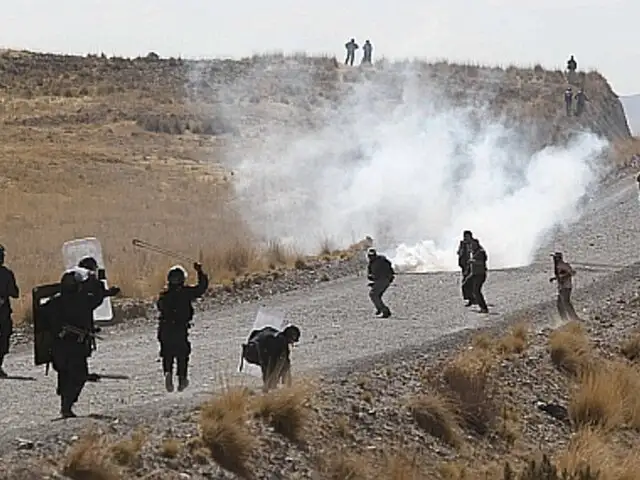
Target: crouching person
point(176, 312)
point(270, 350)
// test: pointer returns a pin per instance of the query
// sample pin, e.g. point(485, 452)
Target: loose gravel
point(337, 322)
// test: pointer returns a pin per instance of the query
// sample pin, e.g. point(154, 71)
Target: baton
point(163, 251)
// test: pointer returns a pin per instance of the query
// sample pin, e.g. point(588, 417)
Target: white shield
point(264, 318)
point(75, 250)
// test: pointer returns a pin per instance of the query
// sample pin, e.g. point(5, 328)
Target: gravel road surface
point(337, 322)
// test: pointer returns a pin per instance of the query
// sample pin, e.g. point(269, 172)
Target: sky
point(602, 34)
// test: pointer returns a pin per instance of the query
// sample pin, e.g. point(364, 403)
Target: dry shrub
point(89, 459)
point(127, 451)
point(630, 347)
point(467, 377)
point(344, 465)
point(570, 349)
point(591, 449)
point(607, 397)
point(286, 410)
point(515, 341)
point(400, 466)
point(170, 447)
point(435, 414)
point(224, 431)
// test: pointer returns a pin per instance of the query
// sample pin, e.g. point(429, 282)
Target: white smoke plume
point(396, 161)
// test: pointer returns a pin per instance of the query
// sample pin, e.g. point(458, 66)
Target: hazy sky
point(601, 34)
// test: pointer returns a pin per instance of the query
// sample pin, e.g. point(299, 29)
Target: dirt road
point(336, 319)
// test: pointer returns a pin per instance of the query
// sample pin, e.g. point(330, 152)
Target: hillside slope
point(631, 105)
point(147, 143)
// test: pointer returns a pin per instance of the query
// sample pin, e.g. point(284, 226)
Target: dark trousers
point(377, 289)
point(6, 330)
point(467, 290)
point(477, 281)
point(274, 371)
point(182, 361)
point(73, 372)
point(565, 307)
point(174, 348)
point(351, 55)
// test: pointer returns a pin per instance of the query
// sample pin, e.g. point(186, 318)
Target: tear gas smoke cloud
point(398, 162)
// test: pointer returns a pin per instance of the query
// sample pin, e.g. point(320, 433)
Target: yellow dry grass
point(570, 349)
point(286, 410)
point(89, 459)
point(435, 414)
point(224, 431)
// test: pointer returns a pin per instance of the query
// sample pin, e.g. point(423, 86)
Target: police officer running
point(8, 289)
point(69, 315)
point(380, 274)
point(176, 313)
point(269, 349)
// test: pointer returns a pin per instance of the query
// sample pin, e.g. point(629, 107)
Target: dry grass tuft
point(607, 397)
point(515, 341)
point(467, 377)
point(224, 431)
point(89, 459)
point(570, 349)
point(171, 447)
point(400, 466)
point(344, 465)
point(436, 415)
point(126, 452)
point(286, 410)
point(630, 347)
point(598, 401)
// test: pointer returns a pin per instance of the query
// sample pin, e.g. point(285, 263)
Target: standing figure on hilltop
point(176, 312)
point(351, 47)
point(8, 290)
point(563, 273)
point(568, 100)
point(380, 274)
point(464, 262)
point(581, 97)
point(367, 50)
point(572, 66)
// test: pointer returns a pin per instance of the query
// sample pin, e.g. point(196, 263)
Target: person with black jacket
point(478, 274)
point(380, 274)
point(464, 262)
point(8, 290)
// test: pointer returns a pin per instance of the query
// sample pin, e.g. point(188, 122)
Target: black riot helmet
point(89, 263)
point(292, 334)
point(177, 276)
point(70, 281)
point(1, 254)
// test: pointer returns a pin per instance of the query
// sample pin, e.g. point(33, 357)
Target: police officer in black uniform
point(176, 312)
point(380, 274)
point(8, 290)
point(269, 348)
point(69, 315)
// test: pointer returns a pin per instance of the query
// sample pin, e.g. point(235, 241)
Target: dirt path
point(336, 319)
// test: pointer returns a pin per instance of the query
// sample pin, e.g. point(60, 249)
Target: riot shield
point(75, 250)
point(42, 335)
point(264, 318)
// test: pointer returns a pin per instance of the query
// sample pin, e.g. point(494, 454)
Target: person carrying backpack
point(269, 349)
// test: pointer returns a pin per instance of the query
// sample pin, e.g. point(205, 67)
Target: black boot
point(65, 409)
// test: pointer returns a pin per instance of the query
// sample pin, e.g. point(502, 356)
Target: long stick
point(163, 251)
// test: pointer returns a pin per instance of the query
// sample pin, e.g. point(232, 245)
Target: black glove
point(97, 329)
point(197, 267)
point(113, 291)
point(371, 278)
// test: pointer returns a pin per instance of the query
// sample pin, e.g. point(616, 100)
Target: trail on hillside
point(399, 162)
point(337, 323)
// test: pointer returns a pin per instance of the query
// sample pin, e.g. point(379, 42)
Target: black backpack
point(251, 349)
